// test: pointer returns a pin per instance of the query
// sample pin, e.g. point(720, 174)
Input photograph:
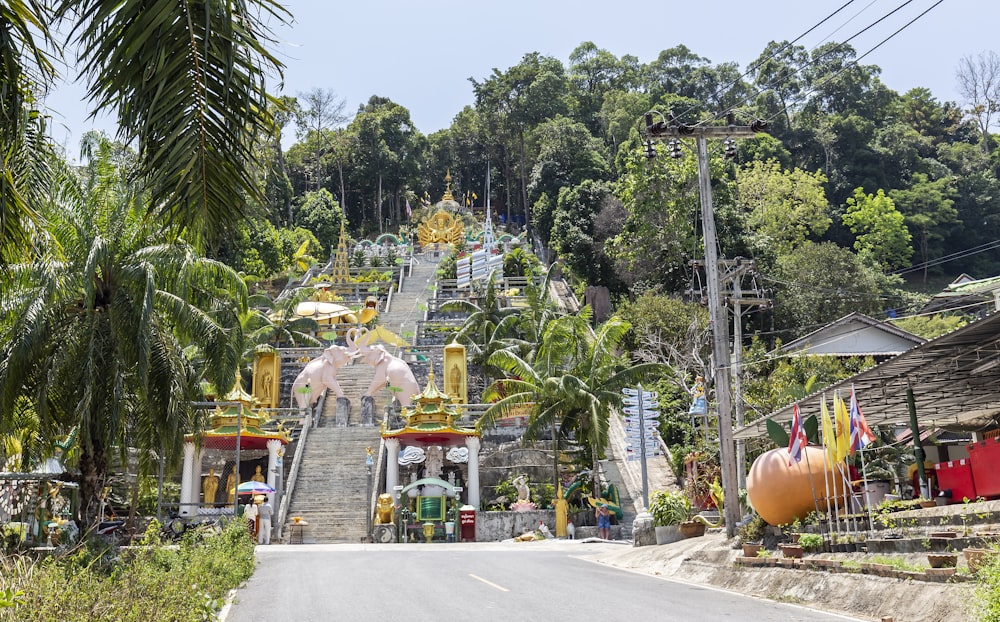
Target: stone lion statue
point(385, 508)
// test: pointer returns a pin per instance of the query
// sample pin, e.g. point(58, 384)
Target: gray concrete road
point(478, 582)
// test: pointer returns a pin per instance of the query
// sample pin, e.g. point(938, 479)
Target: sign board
point(652, 395)
point(646, 414)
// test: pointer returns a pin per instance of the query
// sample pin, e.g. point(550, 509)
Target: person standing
point(603, 522)
point(250, 516)
point(264, 512)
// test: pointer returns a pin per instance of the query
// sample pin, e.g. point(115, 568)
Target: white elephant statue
point(392, 370)
point(319, 374)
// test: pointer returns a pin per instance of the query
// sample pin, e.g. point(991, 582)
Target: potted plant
point(669, 510)
point(752, 536)
point(812, 542)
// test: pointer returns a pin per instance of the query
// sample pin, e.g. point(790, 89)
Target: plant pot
point(942, 560)
point(751, 550)
point(667, 534)
point(692, 529)
point(928, 504)
point(794, 537)
point(791, 550)
point(977, 558)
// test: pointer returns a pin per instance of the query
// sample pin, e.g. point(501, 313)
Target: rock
point(643, 533)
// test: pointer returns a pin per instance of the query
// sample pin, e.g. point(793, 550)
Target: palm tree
point(24, 37)
point(488, 327)
point(94, 329)
point(185, 80)
point(573, 384)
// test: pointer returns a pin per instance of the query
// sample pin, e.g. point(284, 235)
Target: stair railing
point(293, 474)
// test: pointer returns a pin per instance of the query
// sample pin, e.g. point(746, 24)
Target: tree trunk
point(93, 471)
point(379, 209)
point(524, 190)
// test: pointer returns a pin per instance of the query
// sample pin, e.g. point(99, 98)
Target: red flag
point(797, 440)
point(861, 434)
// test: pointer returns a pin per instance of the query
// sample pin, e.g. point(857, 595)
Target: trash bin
point(467, 520)
point(449, 531)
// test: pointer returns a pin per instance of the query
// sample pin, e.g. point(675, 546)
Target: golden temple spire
point(447, 191)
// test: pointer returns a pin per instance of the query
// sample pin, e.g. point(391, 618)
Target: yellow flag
point(843, 428)
point(829, 439)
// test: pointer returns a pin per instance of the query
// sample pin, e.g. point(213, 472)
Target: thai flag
point(797, 440)
point(861, 434)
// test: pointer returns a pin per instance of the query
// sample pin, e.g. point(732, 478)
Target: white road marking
point(489, 583)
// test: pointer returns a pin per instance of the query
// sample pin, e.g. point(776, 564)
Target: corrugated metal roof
point(955, 379)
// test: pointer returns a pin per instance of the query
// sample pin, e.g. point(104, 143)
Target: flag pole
point(845, 474)
point(864, 466)
point(827, 473)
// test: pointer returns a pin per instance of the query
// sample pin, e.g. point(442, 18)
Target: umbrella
point(253, 488)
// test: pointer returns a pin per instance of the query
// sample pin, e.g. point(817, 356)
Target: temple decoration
point(443, 226)
point(266, 375)
point(456, 385)
point(341, 259)
point(234, 420)
point(429, 436)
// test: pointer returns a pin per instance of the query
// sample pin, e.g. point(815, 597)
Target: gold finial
point(447, 191)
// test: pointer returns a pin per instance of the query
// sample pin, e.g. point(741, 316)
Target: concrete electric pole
point(716, 306)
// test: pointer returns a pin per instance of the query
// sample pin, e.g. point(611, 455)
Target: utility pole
point(716, 308)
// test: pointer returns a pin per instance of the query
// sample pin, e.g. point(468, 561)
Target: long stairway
point(330, 489)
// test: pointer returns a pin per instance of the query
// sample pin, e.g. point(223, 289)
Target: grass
point(897, 563)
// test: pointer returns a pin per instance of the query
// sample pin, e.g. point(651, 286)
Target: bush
point(152, 582)
point(986, 602)
point(669, 508)
point(811, 541)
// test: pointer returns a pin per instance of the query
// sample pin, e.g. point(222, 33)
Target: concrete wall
point(497, 526)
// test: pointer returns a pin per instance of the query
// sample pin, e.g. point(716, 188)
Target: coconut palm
point(94, 328)
point(488, 327)
point(572, 385)
point(184, 80)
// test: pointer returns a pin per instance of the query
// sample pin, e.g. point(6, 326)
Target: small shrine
point(437, 455)
point(236, 425)
point(443, 226)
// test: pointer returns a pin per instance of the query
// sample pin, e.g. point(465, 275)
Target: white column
point(273, 446)
point(472, 494)
point(187, 476)
point(391, 466)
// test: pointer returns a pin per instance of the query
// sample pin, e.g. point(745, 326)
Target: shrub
point(669, 508)
point(811, 541)
point(152, 582)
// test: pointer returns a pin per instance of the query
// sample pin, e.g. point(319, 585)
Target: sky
point(422, 54)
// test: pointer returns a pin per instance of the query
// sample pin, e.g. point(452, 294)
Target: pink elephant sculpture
point(390, 370)
point(319, 374)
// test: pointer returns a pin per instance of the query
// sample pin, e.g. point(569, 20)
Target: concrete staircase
point(331, 486)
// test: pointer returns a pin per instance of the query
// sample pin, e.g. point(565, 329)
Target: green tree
point(821, 282)
point(586, 216)
point(320, 213)
point(784, 207)
point(515, 101)
point(94, 329)
point(572, 385)
point(882, 236)
point(928, 205)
